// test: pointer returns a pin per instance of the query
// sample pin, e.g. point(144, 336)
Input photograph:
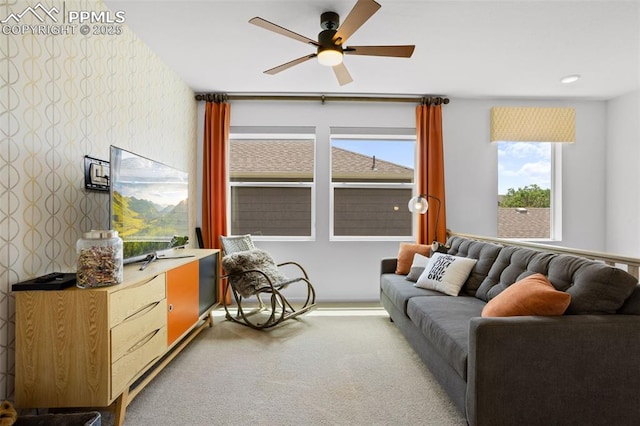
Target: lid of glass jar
point(100, 234)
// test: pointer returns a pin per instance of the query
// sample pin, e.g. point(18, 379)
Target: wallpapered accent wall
point(64, 96)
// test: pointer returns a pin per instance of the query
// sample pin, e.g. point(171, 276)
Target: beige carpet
point(332, 367)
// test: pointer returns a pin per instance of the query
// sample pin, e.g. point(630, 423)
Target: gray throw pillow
point(417, 267)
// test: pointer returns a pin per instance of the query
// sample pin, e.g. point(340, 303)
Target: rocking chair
point(253, 272)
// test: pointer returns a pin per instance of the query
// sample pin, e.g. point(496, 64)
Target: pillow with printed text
point(446, 273)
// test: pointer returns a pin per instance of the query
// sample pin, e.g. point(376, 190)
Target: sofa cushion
point(595, 288)
point(631, 306)
point(486, 253)
point(405, 256)
point(399, 290)
point(446, 273)
point(511, 265)
point(444, 321)
point(533, 295)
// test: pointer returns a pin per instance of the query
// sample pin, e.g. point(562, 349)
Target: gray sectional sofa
point(580, 368)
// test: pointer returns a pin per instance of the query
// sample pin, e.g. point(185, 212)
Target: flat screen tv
point(148, 204)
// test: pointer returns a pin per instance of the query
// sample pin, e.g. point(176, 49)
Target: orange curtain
point(431, 171)
point(214, 174)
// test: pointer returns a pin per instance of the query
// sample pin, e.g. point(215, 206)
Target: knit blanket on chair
point(249, 283)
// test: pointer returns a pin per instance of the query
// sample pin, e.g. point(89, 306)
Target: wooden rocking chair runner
point(252, 272)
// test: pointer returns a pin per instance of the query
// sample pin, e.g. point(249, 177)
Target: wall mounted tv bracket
point(96, 174)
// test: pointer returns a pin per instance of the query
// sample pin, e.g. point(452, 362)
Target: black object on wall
point(96, 174)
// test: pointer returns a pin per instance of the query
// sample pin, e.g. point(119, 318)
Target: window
point(372, 180)
point(271, 185)
point(528, 187)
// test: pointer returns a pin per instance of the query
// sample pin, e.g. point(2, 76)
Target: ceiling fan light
point(330, 57)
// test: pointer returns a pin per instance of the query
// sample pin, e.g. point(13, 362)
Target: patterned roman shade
point(533, 124)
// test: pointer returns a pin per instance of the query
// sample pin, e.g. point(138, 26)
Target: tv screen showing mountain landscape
point(149, 204)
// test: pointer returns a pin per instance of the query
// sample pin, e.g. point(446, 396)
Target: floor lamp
point(420, 205)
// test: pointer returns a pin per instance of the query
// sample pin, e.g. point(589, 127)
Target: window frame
point(377, 185)
point(276, 184)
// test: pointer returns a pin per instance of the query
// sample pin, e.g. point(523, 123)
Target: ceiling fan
point(330, 44)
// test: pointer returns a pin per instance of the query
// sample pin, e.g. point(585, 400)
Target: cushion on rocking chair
point(249, 283)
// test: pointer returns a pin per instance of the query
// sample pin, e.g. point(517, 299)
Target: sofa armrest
point(388, 265)
point(574, 369)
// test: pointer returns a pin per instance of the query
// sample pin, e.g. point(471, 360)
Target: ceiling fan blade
point(342, 74)
point(276, 70)
point(263, 23)
point(404, 51)
point(361, 12)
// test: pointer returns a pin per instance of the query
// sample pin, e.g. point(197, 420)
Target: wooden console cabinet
point(99, 347)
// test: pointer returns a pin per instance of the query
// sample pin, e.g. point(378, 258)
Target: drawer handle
point(142, 311)
point(142, 341)
point(144, 282)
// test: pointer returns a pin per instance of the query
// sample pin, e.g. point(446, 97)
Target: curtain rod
point(222, 97)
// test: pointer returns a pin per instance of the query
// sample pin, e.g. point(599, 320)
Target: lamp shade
point(418, 204)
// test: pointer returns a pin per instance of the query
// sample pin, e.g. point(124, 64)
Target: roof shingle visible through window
point(262, 159)
point(348, 165)
point(269, 158)
point(535, 223)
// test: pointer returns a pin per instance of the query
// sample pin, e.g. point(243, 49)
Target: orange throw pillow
point(406, 253)
point(533, 295)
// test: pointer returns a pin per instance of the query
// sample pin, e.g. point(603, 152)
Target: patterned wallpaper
point(65, 95)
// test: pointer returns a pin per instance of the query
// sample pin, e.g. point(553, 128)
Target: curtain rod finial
point(435, 100)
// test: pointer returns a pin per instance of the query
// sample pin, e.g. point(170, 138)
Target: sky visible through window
point(523, 163)
point(400, 152)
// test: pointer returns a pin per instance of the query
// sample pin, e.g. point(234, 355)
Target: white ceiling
point(473, 48)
